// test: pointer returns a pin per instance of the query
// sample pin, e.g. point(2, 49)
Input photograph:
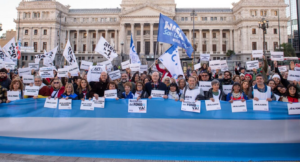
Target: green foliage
point(230, 52)
point(287, 49)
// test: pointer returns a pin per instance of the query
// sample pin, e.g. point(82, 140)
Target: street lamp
point(161, 48)
point(264, 24)
point(122, 43)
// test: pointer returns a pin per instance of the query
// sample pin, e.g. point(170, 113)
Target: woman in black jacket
point(215, 93)
point(83, 90)
point(140, 92)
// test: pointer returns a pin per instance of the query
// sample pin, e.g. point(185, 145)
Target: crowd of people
point(260, 84)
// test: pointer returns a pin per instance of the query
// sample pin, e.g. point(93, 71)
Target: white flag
point(37, 59)
point(50, 56)
point(2, 55)
point(172, 62)
point(133, 55)
point(105, 49)
point(10, 49)
point(69, 54)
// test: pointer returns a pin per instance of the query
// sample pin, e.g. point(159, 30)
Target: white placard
point(13, 95)
point(191, 106)
point(252, 65)
point(34, 66)
point(214, 65)
point(114, 75)
point(9, 65)
point(2, 65)
point(297, 68)
point(277, 56)
point(261, 105)
point(24, 71)
point(157, 93)
point(111, 93)
point(94, 73)
point(294, 108)
point(282, 68)
point(107, 64)
point(257, 53)
point(204, 85)
point(197, 66)
point(100, 103)
point(143, 68)
point(239, 106)
point(293, 75)
point(125, 64)
point(51, 103)
point(63, 72)
point(46, 72)
point(137, 106)
point(135, 67)
point(204, 57)
point(224, 66)
point(31, 91)
point(211, 106)
point(227, 89)
point(27, 79)
point(73, 70)
point(87, 105)
point(65, 104)
point(85, 65)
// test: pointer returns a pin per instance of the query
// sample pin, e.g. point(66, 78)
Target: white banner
point(191, 106)
point(252, 65)
point(294, 108)
point(85, 65)
point(125, 64)
point(2, 65)
point(100, 103)
point(111, 93)
point(107, 64)
point(105, 49)
point(135, 67)
point(277, 56)
point(31, 91)
point(69, 54)
point(157, 93)
point(24, 71)
point(27, 79)
point(10, 49)
point(51, 103)
point(143, 68)
point(65, 104)
point(137, 106)
point(87, 105)
point(94, 73)
point(9, 65)
point(224, 66)
point(73, 69)
point(205, 85)
point(293, 75)
point(13, 95)
point(282, 68)
point(204, 57)
point(297, 68)
point(257, 54)
point(46, 72)
point(211, 106)
point(227, 88)
point(197, 66)
point(34, 66)
point(239, 106)
point(260, 105)
point(114, 75)
point(214, 65)
point(63, 72)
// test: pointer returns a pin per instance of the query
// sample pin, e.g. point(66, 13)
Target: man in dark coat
point(4, 81)
point(98, 88)
point(155, 84)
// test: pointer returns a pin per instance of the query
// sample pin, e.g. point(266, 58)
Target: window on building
point(25, 44)
point(83, 58)
point(211, 18)
point(204, 35)
point(263, 13)
point(75, 47)
point(112, 35)
point(35, 46)
point(275, 44)
point(275, 31)
point(138, 48)
point(253, 31)
point(103, 35)
point(275, 13)
point(154, 46)
point(84, 48)
point(93, 47)
point(96, 19)
point(182, 18)
point(204, 18)
point(84, 35)
point(74, 19)
point(44, 45)
point(75, 35)
point(155, 32)
point(35, 32)
point(45, 32)
point(146, 32)
point(224, 48)
point(214, 47)
point(195, 35)
point(254, 47)
point(57, 33)
point(26, 32)
point(186, 18)
point(204, 48)
point(94, 35)
point(138, 32)
point(31, 57)
point(214, 35)
point(196, 18)
point(224, 35)
point(26, 57)
point(128, 32)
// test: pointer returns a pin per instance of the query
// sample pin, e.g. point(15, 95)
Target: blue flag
point(133, 55)
point(169, 32)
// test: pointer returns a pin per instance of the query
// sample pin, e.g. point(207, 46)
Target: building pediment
point(147, 10)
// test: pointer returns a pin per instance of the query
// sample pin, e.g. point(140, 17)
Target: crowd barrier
point(163, 133)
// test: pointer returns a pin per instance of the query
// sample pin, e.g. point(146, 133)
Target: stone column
point(69, 32)
point(142, 39)
point(97, 36)
point(87, 42)
point(106, 35)
point(230, 40)
point(210, 42)
point(31, 33)
point(200, 41)
point(116, 40)
point(122, 37)
point(77, 45)
point(151, 38)
point(221, 41)
point(249, 40)
point(40, 45)
point(190, 36)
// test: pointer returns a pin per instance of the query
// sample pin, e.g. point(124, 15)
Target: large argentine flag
point(172, 62)
point(169, 32)
point(133, 55)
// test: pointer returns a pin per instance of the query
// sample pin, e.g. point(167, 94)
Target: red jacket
point(163, 71)
point(60, 92)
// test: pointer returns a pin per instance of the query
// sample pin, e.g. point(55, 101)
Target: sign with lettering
point(114, 75)
point(31, 91)
point(87, 105)
point(197, 66)
point(94, 73)
point(34, 66)
point(293, 75)
point(204, 85)
point(257, 53)
point(224, 66)
point(51, 103)
point(135, 67)
point(73, 70)
point(260, 105)
point(27, 79)
point(105, 49)
point(65, 104)
point(100, 103)
point(227, 88)
point(46, 72)
point(63, 72)
point(24, 71)
point(282, 68)
point(107, 64)
point(125, 64)
point(204, 57)
point(9, 65)
point(210, 106)
point(297, 68)
point(111, 93)
point(239, 106)
point(85, 65)
point(157, 93)
point(137, 106)
point(277, 56)
point(143, 68)
point(191, 106)
point(214, 65)
point(13, 95)
point(252, 65)
point(294, 108)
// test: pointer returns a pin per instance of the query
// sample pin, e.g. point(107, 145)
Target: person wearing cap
point(242, 76)
point(278, 77)
point(236, 94)
point(4, 81)
point(261, 91)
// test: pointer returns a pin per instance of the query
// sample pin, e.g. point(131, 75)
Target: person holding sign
point(125, 79)
point(127, 94)
point(215, 93)
point(69, 93)
point(112, 86)
point(181, 85)
point(56, 89)
point(292, 95)
point(191, 91)
point(263, 69)
point(98, 88)
point(227, 79)
point(4, 81)
point(3, 94)
point(140, 93)
point(16, 86)
point(155, 84)
point(165, 71)
point(278, 78)
point(261, 91)
point(174, 92)
point(83, 90)
point(236, 94)
point(44, 91)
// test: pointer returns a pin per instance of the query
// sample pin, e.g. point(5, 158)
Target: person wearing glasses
point(56, 89)
point(140, 92)
point(261, 91)
point(167, 81)
point(226, 80)
point(16, 86)
point(44, 91)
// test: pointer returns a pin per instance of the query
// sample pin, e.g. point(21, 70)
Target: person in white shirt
point(261, 91)
point(191, 91)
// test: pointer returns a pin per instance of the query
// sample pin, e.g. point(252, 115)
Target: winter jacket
point(209, 95)
point(99, 88)
point(163, 71)
point(5, 82)
point(60, 91)
point(129, 96)
point(122, 89)
point(161, 86)
point(72, 96)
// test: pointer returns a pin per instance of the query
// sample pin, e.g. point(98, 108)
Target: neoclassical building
point(217, 30)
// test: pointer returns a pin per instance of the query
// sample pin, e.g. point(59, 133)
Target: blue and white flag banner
point(171, 60)
point(132, 53)
point(170, 32)
point(164, 132)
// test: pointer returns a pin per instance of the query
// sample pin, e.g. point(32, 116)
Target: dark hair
point(113, 83)
point(88, 87)
point(270, 80)
point(237, 84)
point(139, 82)
point(75, 78)
point(249, 85)
point(175, 85)
point(259, 75)
point(288, 93)
point(229, 73)
point(133, 76)
point(3, 70)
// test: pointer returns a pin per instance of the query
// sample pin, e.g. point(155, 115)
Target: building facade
point(7, 36)
point(45, 24)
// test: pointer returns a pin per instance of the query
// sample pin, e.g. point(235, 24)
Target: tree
point(287, 49)
point(230, 52)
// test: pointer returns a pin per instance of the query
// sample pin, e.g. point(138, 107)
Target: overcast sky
point(8, 10)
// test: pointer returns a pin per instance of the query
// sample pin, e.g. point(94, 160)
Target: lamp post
point(161, 48)
point(264, 24)
point(122, 56)
point(194, 14)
